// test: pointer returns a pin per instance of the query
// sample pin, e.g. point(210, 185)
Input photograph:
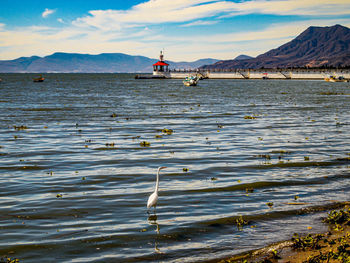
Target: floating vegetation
point(247, 117)
point(20, 128)
point(265, 156)
point(269, 204)
point(185, 170)
point(114, 115)
point(59, 195)
point(249, 190)
point(306, 158)
point(159, 136)
point(213, 178)
point(167, 131)
point(110, 144)
point(6, 259)
point(332, 93)
point(145, 144)
point(240, 222)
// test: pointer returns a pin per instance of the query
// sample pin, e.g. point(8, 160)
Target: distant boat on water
point(191, 81)
point(333, 78)
point(40, 79)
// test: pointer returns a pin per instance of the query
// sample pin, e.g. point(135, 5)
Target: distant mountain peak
point(242, 57)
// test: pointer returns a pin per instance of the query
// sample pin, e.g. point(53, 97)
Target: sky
point(186, 30)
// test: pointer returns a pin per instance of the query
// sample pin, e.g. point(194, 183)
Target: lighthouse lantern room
point(160, 68)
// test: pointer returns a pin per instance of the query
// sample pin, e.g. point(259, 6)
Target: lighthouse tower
point(161, 68)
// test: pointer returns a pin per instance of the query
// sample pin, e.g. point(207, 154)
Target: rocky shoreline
point(332, 246)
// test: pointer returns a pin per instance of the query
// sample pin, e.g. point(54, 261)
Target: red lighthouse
point(160, 67)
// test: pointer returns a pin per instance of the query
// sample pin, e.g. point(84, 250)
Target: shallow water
point(67, 194)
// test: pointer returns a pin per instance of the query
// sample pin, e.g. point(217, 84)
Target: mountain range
point(85, 63)
point(315, 47)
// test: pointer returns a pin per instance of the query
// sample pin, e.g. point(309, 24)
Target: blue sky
point(185, 29)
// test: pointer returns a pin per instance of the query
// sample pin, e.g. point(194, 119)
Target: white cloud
point(153, 12)
point(47, 12)
point(293, 7)
point(136, 31)
point(200, 23)
point(179, 11)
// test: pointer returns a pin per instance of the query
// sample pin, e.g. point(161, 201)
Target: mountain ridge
point(61, 62)
point(314, 47)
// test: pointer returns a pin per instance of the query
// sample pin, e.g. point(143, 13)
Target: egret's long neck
point(157, 182)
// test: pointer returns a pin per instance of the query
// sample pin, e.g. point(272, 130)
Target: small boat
point(191, 81)
point(40, 79)
point(333, 78)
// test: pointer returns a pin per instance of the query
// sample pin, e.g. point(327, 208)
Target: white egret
point(153, 198)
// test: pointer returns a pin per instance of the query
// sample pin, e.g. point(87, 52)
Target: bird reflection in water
point(152, 219)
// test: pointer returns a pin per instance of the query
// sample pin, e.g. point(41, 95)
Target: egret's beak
point(163, 167)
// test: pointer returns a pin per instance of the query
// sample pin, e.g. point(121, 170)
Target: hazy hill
point(195, 64)
point(315, 47)
point(243, 57)
point(106, 62)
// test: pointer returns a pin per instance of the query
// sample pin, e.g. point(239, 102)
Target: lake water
point(75, 174)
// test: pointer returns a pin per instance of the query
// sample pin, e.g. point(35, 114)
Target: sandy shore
point(332, 246)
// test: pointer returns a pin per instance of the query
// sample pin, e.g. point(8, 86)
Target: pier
point(161, 70)
point(312, 74)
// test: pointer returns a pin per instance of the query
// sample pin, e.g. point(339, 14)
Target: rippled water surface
point(75, 176)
